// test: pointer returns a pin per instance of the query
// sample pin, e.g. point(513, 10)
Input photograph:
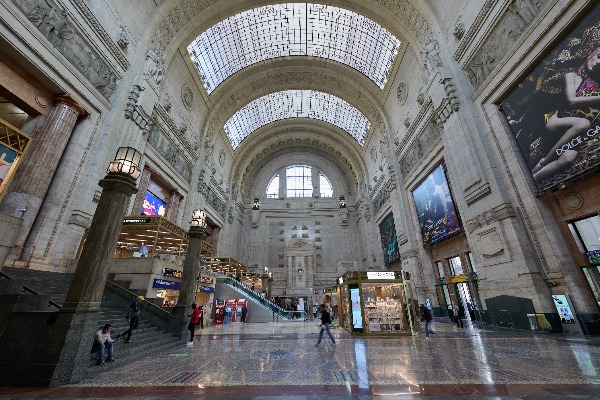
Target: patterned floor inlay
point(282, 359)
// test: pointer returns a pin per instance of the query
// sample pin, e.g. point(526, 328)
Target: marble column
point(30, 185)
point(179, 315)
point(68, 340)
point(173, 208)
point(143, 187)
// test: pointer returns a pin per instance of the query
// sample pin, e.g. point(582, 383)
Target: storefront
point(376, 303)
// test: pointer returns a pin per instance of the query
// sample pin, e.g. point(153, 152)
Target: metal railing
point(240, 287)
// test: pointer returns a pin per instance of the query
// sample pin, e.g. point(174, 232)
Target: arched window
point(325, 185)
point(299, 181)
point(273, 188)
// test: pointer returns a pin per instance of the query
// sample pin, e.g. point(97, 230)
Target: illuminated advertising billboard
point(553, 112)
point(435, 208)
point(389, 243)
point(153, 205)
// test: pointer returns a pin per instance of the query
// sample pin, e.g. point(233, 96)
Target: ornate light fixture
point(198, 219)
point(256, 205)
point(300, 271)
point(126, 162)
point(342, 202)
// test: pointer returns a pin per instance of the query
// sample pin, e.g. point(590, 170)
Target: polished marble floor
point(253, 361)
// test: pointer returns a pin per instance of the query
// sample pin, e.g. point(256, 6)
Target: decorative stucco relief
point(517, 17)
point(169, 150)
point(419, 147)
point(55, 24)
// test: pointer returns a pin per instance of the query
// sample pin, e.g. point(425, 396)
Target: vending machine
point(240, 304)
point(219, 312)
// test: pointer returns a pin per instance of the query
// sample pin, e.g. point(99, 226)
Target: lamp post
point(69, 337)
point(178, 322)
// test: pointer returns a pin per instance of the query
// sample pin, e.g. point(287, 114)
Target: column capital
point(68, 99)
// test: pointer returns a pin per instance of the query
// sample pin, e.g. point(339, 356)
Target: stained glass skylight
point(293, 29)
point(296, 104)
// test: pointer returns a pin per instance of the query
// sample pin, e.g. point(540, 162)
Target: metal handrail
point(30, 290)
point(152, 306)
point(273, 307)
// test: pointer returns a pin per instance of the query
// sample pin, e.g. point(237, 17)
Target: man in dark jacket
point(325, 322)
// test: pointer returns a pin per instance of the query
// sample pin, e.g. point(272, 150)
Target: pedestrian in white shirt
point(105, 342)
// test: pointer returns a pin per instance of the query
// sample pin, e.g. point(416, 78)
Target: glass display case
point(376, 303)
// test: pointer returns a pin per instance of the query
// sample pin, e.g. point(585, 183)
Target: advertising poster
point(153, 205)
point(553, 112)
point(7, 158)
point(357, 322)
point(435, 208)
point(564, 310)
point(389, 243)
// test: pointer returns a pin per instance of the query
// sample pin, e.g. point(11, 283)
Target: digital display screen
point(553, 112)
point(153, 205)
point(435, 208)
point(564, 309)
point(357, 321)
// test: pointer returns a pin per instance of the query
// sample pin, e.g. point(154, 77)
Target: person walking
point(133, 317)
point(104, 342)
point(325, 322)
point(460, 314)
point(194, 317)
point(427, 316)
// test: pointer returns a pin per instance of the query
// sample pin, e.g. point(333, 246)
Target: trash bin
point(533, 322)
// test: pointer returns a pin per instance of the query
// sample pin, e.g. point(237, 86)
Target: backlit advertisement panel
point(357, 322)
point(435, 208)
point(553, 112)
point(389, 243)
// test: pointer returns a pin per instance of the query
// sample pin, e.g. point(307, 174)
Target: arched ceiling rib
point(326, 81)
point(293, 29)
point(296, 104)
point(312, 135)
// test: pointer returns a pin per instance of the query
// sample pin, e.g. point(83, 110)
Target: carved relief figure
point(209, 148)
point(153, 69)
point(430, 56)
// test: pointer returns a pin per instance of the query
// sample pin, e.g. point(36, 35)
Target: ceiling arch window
point(293, 29)
point(296, 104)
point(273, 188)
point(299, 181)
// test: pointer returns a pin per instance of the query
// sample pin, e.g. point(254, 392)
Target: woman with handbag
point(325, 322)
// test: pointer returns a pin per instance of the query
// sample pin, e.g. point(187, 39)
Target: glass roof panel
point(296, 104)
point(293, 29)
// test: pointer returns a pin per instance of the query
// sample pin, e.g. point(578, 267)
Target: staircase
point(257, 299)
point(151, 335)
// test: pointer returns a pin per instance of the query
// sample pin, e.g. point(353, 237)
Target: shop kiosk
point(219, 312)
point(376, 303)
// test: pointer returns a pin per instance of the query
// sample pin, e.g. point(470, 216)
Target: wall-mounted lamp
point(126, 162)
point(256, 204)
point(198, 219)
point(342, 202)
point(300, 271)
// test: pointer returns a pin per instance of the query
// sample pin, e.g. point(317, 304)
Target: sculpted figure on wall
point(154, 67)
point(430, 56)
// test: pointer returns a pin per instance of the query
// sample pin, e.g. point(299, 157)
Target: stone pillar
point(28, 188)
point(173, 208)
point(143, 188)
point(179, 316)
point(69, 339)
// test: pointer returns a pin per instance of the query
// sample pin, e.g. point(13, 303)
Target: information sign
point(381, 275)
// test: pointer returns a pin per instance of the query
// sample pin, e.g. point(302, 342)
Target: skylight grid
point(293, 29)
point(296, 104)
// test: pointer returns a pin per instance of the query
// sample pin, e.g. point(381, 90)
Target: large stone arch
point(178, 24)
